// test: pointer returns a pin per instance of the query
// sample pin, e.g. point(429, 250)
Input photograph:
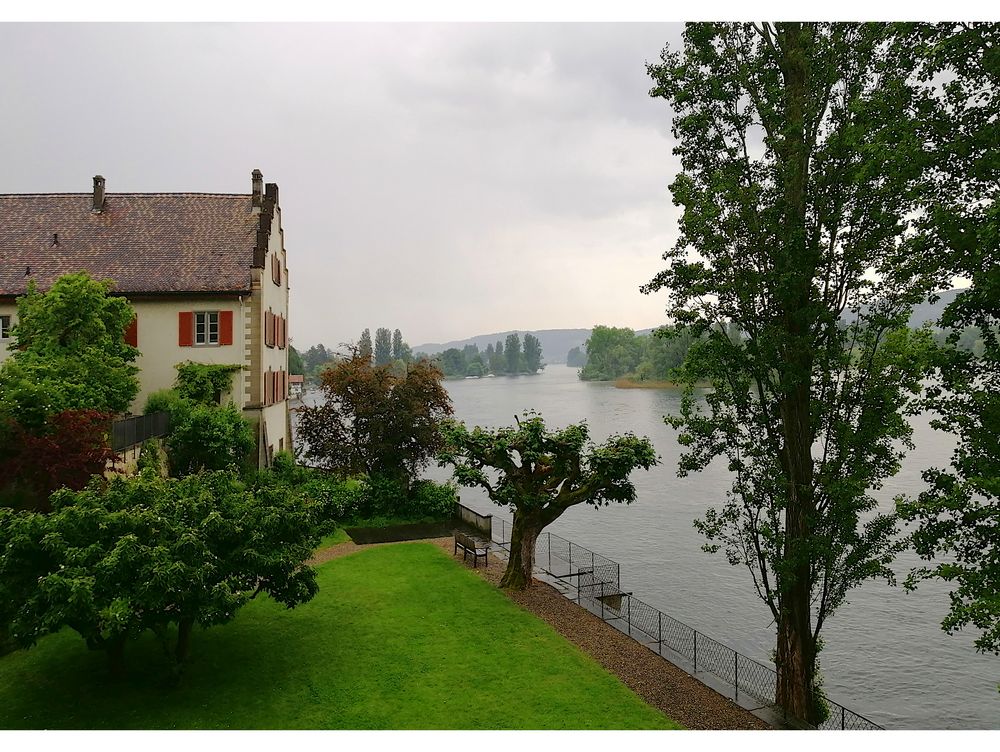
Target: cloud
point(445, 179)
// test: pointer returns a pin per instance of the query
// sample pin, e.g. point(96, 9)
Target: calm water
point(885, 654)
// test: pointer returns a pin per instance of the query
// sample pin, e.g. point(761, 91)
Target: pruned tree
point(802, 175)
point(374, 421)
point(540, 474)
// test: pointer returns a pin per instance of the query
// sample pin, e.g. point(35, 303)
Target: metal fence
point(128, 432)
point(596, 581)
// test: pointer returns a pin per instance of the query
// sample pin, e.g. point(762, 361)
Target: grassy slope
point(399, 637)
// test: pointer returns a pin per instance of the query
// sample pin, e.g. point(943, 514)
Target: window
point(4, 327)
point(206, 328)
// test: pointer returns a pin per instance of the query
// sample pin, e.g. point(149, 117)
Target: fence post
point(696, 651)
point(602, 599)
point(571, 556)
point(629, 613)
point(736, 673)
point(659, 632)
point(550, 552)
point(842, 713)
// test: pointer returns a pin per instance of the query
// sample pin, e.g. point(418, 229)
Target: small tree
point(542, 473)
point(375, 421)
point(145, 552)
point(209, 437)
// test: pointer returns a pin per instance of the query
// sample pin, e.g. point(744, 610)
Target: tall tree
point(540, 474)
point(512, 353)
point(383, 346)
point(365, 345)
point(801, 169)
point(532, 353)
point(958, 515)
point(296, 364)
point(497, 361)
point(397, 345)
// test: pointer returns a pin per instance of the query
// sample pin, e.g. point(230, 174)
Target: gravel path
point(660, 683)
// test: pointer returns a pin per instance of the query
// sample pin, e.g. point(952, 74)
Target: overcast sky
point(449, 180)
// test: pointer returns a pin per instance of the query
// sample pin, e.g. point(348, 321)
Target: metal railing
point(128, 432)
point(596, 581)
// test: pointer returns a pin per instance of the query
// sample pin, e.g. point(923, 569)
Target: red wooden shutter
point(267, 388)
point(185, 328)
point(132, 333)
point(225, 327)
point(267, 329)
point(281, 337)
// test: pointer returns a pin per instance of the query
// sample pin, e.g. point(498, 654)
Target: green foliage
point(576, 358)
point(778, 240)
point(149, 457)
point(512, 352)
point(958, 515)
point(144, 552)
point(374, 422)
point(614, 353)
point(532, 353)
point(541, 474)
point(205, 383)
point(296, 365)
point(469, 361)
point(365, 345)
point(68, 353)
point(209, 437)
point(383, 346)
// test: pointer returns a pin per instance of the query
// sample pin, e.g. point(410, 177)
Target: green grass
point(337, 536)
point(399, 637)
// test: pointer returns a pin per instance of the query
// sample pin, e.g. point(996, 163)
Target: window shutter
point(185, 328)
point(267, 387)
point(267, 329)
point(132, 333)
point(281, 336)
point(225, 327)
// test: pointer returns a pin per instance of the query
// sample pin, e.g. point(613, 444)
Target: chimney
point(258, 187)
point(98, 194)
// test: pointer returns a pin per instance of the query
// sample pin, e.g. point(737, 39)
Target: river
point(885, 655)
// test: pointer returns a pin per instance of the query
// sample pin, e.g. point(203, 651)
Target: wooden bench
point(472, 546)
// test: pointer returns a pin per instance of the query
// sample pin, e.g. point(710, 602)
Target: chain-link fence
point(595, 582)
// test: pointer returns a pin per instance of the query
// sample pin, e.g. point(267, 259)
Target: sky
point(444, 179)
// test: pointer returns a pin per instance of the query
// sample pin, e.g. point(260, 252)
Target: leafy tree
point(365, 345)
point(144, 553)
point(374, 422)
point(68, 353)
point(497, 361)
point(802, 170)
point(512, 352)
point(383, 346)
point(958, 515)
point(542, 473)
point(400, 350)
point(611, 352)
point(452, 362)
point(205, 383)
point(532, 353)
point(296, 364)
point(576, 358)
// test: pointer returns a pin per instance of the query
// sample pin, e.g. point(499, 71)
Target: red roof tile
point(145, 242)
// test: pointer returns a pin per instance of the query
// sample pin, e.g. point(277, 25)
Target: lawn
point(399, 637)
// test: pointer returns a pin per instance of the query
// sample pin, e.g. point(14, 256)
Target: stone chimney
point(98, 194)
point(257, 178)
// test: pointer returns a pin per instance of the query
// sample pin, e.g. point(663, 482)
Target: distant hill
point(931, 312)
point(555, 342)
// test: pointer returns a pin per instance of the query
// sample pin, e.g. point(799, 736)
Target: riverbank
point(628, 383)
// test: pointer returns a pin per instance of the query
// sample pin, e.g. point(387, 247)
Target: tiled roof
point(145, 242)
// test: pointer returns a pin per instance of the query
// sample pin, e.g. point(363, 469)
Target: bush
point(210, 438)
point(205, 383)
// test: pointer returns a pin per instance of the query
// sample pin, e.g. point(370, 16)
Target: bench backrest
point(465, 540)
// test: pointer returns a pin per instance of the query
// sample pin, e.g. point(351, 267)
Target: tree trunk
point(523, 535)
point(183, 650)
point(115, 649)
point(796, 262)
